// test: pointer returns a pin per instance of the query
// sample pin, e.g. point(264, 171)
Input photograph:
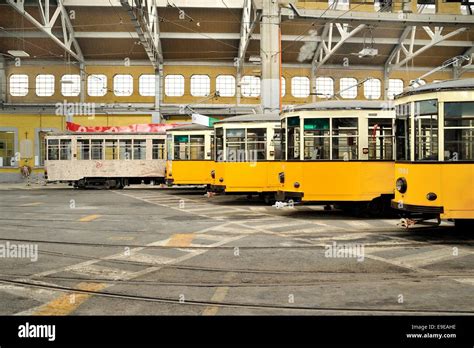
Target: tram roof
point(252, 118)
point(189, 127)
point(342, 105)
point(449, 85)
point(104, 133)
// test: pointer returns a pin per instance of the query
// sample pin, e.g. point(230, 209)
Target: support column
point(270, 56)
point(156, 116)
point(3, 80)
point(83, 77)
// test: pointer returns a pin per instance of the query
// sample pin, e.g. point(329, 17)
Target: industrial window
point(189, 147)
point(372, 89)
point(146, 85)
point(97, 85)
point(174, 85)
point(338, 4)
point(348, 87)
point(123, 85)
point(395, 86)
point(19, 85)
point(344, 139)
point(324, 87)
point(59, 149)
point(200, 85)
point(316, 139)
point(380, 139)
point(459, 131)
point(70, 85)
point(158, 149)
point(300, 86)
point(44, 85)
point(225, 85)
point(7, 149)
point(250, 86)
point(426, 130)
point(283, 86)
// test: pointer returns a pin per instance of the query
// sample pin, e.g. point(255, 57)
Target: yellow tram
point(245, 152)
point(339, 152)
point(434, 169)
point(189, 155)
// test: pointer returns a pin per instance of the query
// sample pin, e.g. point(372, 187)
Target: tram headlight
point(296, 184)
point(401, 185)
point(221, 179)
point(213, 174)
point(431, 196)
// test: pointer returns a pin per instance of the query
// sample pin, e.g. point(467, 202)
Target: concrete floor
point(147, 250)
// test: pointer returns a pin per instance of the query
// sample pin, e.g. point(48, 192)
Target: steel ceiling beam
point(250, 17)
point(144, 16)
point(67, 40)
point(402, 54)
point(329, 46)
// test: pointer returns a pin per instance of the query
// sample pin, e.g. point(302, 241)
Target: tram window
point(158, 149)
point(96, 149)
point(316, 139)
point(282, 140)
point(125, 149)
point(256, 144)
point(65, 149)
point(235, 144)
point(181, 147)
point(83, 149)
point(293, 137)
point(53, 149)
point(219, 148)
point(196, 149)
point(139, 149)
point(276, 142)
point(344, 139)
point(169, 147)
point(402, 131)
point(459, 131)
point(426, 130)
point(111, 152)
point(380, 139)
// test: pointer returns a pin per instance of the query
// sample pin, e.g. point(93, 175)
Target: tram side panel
point(242, 177)
point(332, 181)
point(74, 170)
point(189, 172)
point(444, 189)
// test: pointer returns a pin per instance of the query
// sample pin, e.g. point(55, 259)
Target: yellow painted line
point(219, 296)
point(181, 240)
point(68, 303)
point(89, 218)
point(31, 204)
point(121, 238)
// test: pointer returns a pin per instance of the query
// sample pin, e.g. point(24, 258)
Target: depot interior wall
point(188, 71)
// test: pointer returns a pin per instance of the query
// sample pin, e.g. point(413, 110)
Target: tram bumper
point(417, 209)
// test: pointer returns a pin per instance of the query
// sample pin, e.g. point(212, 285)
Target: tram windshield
point(459, 131)
point(426, 130)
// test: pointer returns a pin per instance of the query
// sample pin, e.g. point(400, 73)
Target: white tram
point(106, 160)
